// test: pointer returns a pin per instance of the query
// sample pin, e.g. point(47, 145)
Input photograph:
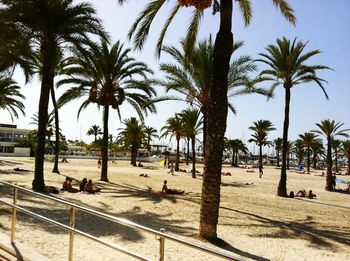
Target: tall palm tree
point(132, 135)
point(317, 150)
point(33, 18)
point(173, 127)
point(309, 138)
point(330, 129)
point(261, 129)
point(192, 126)
point(49, 126)
point(287, 67)
point(10, 97)
point(217, 109)
point(190, 76)
point(150, 134)
point(104, 75)
point(346, 153)
point(94, 130)
point(278, 147)
point(336, 146)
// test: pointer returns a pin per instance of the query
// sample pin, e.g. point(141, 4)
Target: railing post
point(14, 214)
point(161, 246)
point(71, 233)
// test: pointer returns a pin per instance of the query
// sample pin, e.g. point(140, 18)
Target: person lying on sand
point(250, 170)
point(166, 190)
point(67, 185)
point(90, 188)
point(303, 194)
point(144, 175)
point(19, 169)
point(226, 174)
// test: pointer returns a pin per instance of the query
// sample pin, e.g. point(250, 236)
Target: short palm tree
point(71, 27)
point(261, 129)
point(287, 67)
point(104, 75)
point(278, 147)
point(336, 146)
point(217, 111)
point(10, 97)
point(299, 150)
point(150, 133)
point(346, 153)
point(173, 127)
point(235, 146)
point(330, 129)
point(308, 138)
point(132, 135)
point(317, 151)
point(94, 130)
point(192, 126)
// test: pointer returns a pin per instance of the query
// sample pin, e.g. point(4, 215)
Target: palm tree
point(191, 124)
point(317, 150)
point(330, 129)
point(191, 77)
point(309, 138)
point(278, 147)
point(235, 146)
point(346, 153)
point(173, 127)
point(150, 133)
point(105, 74)
point(217, 109)
point(9, 97)
point(94, 130)
point(72, 25)
point(287, 67)
point(299, 150)
point(132, 135)
point(336, 145)
point(49, 126)
point(261, 129)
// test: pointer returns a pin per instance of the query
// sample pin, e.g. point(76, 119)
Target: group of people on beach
point(84, 186)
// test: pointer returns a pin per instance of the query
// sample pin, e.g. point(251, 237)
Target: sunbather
point(90, 188)
point(166, 190)
point(67, 185)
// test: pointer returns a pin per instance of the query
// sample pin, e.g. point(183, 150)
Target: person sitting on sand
point(140, 164)
point(82, 184)
point(90, 188)
point(64, 160)
point(166, 190)
point(310, 194)
point(67, 185)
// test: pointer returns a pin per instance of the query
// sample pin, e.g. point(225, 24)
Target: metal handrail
point(161, 235)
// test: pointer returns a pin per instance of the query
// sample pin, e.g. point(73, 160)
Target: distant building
point(8, 135)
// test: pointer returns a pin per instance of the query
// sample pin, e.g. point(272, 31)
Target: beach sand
point(254, 222)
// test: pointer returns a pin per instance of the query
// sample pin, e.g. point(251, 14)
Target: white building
point(8, 135)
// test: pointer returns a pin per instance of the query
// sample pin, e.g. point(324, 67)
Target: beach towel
point(341, 181)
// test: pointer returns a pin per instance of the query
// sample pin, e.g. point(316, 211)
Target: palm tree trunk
point(260, 160)
point(38, 183)
point(308, 160)
point(204, 131)
point(314, 161)
point(336, 160)
point(278, 159)
point(133, 155)
point(104, 149)
point(233, 159)
point(236, 159)
point(95, 137)
point(282, 186)
point(348, 170)
point(177, 161)
point(216, 125)
point(188, 151)
point(193, 157)
point(57, 131)
point(329, 165)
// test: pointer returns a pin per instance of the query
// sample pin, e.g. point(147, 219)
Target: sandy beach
point(254, 222)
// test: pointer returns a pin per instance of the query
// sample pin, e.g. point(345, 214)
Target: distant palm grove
point(75, 53)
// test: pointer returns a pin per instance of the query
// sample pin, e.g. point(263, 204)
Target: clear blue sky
point(325, 24)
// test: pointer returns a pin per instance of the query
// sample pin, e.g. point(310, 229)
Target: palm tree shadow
point(226, 246)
